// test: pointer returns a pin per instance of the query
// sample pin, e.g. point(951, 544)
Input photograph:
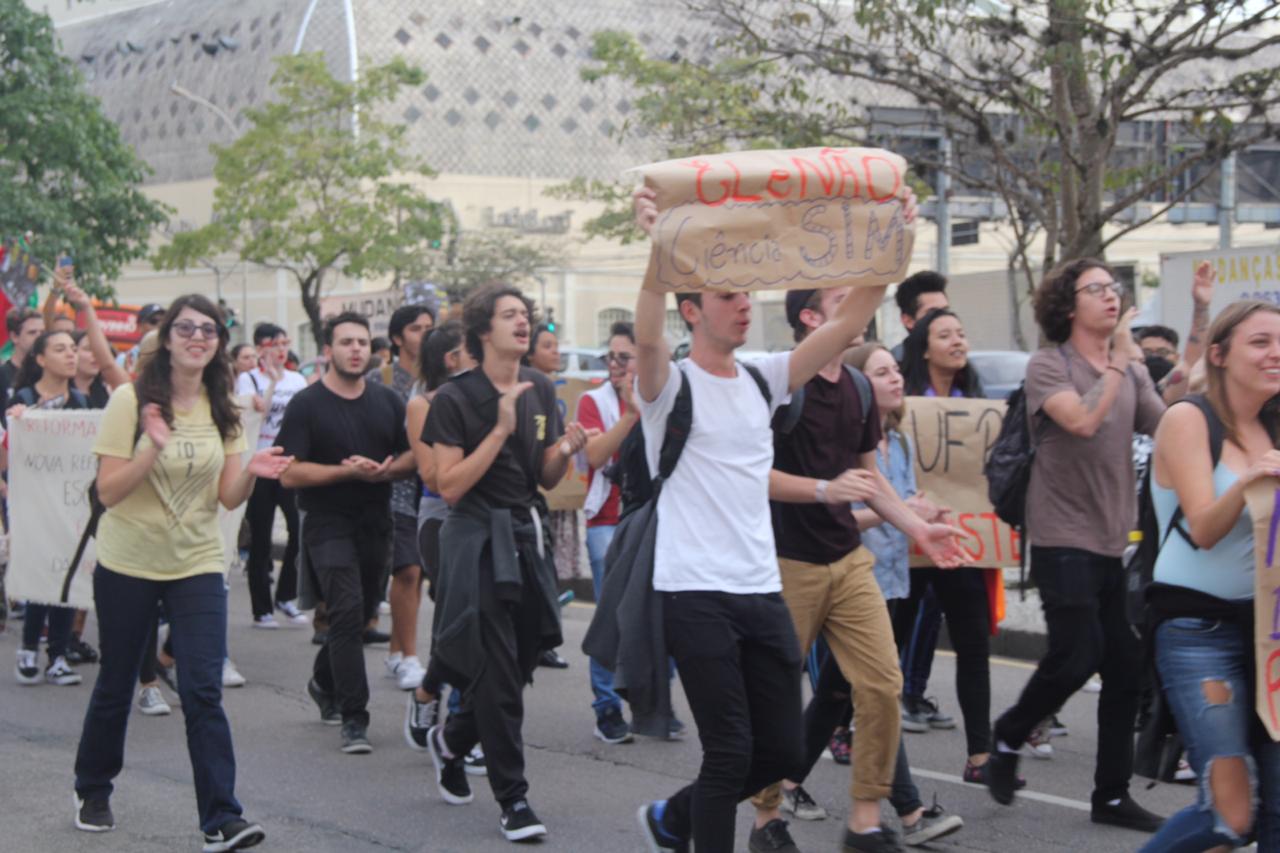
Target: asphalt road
point(311, 797)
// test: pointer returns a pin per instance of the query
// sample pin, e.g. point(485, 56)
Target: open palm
point(269, 463)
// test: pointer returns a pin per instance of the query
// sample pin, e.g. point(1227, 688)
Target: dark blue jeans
point(1190, 652)
point(196, 609)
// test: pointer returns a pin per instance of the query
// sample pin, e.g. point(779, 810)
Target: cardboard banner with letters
point(377, 307)
point(1263, 500)
point(952, 438)
point(777, 220)
point(571, 492)
point(51, 464)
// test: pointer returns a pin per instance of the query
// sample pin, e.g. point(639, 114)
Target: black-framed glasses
point(1098, 288)
point(188, 329)
point(622, 359)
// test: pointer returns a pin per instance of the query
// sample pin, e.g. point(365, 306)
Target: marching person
point(715, 562)
point(1202, 594)
point(271, 386)
point(169, 453)
point(347, 438)
point(1086, 395)
point(496, 436)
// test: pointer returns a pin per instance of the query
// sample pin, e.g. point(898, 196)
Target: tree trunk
point(310, 290)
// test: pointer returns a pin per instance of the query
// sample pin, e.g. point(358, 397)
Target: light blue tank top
point(1224, 571)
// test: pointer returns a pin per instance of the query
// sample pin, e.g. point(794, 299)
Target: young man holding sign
point(824, 459)
point(726, 624)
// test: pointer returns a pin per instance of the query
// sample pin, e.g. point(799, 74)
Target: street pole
point(943, 218)
point(1226, 200)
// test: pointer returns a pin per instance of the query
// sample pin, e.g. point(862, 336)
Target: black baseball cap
point(797, 301)
point(151, 313)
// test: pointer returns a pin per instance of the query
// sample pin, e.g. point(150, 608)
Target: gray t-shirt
point(404, 492)
point(1082, 492)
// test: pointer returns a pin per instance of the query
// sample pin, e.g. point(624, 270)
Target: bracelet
point(820, 491)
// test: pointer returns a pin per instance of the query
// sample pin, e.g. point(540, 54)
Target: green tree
point(1040, 99)
point(65, 174)
point(303, 192)
point(476, 258)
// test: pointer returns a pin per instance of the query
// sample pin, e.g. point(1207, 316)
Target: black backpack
point(1141, 563)
point(631, 471)
point(795, 409)
point(1008, 466)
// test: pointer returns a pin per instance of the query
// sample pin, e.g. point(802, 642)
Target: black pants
point(832, 706)
point(261, 515)
point(739, 663)
point(348, 562)
point(60, 619)
point(1083, 596)
point(962, 595)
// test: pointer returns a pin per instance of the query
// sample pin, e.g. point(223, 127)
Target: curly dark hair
point(915, 367)
point(477, 314)
point(1055, 298)
point(155, 383)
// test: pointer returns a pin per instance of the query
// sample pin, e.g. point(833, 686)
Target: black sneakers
point(235, 834)
point(519, 823)
point(773, 837)
point(551, 659)
point(329, 714)
point(94, 813)
point(656, 838)
point(1126, 814)
point(1002, 776)
point(419, 717)
point(355, 738)
point(612, 728)
point(451, 777)
point(883, 841)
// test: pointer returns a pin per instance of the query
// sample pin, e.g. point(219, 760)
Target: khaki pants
point(843, 601)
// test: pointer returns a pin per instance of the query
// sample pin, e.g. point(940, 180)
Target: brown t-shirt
point(1082, 489)
point(828, 440)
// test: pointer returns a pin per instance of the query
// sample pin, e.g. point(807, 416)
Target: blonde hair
point(858, 357)
point(1220, 335)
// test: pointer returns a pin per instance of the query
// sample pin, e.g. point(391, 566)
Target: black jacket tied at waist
point(491, 545)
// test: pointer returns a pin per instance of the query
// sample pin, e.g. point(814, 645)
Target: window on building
point(676, 329)
point(606, 318)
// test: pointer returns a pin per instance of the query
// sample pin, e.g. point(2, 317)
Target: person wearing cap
point(150, 317)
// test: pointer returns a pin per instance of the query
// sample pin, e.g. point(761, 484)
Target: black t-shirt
point(826, 442)
point(321, 427)
point(465, 410)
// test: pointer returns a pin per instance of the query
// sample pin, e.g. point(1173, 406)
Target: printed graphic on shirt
point(185, 469)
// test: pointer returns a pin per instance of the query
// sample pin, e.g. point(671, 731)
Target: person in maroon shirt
point(610, 409)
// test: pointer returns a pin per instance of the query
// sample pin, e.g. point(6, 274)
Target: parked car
point(1000, 371)
point(583, 363)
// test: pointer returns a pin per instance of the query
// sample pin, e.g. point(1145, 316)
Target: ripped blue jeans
point(1194, 655)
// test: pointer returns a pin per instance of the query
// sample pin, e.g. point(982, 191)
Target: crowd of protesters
point(744, 521)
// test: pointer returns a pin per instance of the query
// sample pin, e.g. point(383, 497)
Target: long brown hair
point(154, 383)
point(1220, 335)
point(858, 357)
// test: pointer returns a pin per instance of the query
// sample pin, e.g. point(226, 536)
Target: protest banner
point(571, 492)
point(1263, 500)
point(51, 465)
point(952, 438)
point(377, 307)
point(774, 220)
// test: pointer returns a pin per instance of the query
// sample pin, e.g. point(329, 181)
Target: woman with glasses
point(168, 452)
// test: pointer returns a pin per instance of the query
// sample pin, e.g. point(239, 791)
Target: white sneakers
point(60, 673)
point(267, 622)
point(28, 669)
point(407, 672)
point(151, 702)
point(231, 676)
point(292, 614)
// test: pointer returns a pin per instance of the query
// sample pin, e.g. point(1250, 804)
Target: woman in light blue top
point(1203, 591)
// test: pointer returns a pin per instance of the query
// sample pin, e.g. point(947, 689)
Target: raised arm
point(1082, 414)
point(112, 374)
point(832, 338)
point(653, 358)
point(1174, 386)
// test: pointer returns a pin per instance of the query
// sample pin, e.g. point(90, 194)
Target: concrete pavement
point(311, 797)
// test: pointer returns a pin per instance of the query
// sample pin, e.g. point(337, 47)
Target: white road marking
point(1024, 794)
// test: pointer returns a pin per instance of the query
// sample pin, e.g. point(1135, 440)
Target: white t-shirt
point(714, 528)
point(254, 382)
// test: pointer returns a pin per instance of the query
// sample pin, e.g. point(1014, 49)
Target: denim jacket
point(886, 542)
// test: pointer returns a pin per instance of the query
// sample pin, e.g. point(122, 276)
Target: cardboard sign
point(51, 465)
point(952, 438)
point(377, 307)
point(776, 220)
point(1263, 499)
point(571, 492)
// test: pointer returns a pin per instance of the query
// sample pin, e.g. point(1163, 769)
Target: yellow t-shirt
point(167, 528)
